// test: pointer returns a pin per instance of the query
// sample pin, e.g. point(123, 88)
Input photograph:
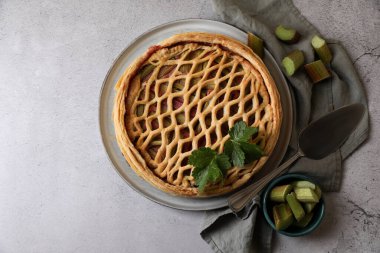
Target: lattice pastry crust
point(186, 93)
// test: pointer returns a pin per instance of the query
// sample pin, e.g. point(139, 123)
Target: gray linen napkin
point(222, 230)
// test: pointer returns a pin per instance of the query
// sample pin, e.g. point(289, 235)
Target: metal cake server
point(321, 138)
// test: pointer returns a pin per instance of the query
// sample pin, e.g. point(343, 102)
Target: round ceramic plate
point(138, 47)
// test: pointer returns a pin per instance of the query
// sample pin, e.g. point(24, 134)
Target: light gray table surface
point(59, 192)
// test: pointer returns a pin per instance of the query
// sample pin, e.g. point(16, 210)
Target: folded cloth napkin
point(248, 232)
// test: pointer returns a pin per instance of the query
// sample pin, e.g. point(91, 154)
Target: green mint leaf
point(197, 173)
point(228, 148)
point(223, 162)
point(234, 151)
point(202, 157)
point(241, 132)
point(252, 151)
point(210, 174)
point(200, 176)
point(209, 167)
point(214, 172)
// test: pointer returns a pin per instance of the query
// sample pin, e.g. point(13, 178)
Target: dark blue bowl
point(267, 206)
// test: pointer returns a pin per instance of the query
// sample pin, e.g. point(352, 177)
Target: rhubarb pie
point(186, 93)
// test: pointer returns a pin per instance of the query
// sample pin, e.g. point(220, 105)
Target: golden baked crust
point(186, 93)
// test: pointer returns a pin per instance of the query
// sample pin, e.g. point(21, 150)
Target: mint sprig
point(211, 167)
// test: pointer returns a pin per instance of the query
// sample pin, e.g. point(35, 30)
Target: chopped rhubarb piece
point(202, 142)
point(287, 35)
point(220, 99)
point(156, 143)
point(304, 184)
point(205, 105)
point(193, 111)
point(193, 54)
point(177, 102)
point(194, 81)
point(152, 109)
point(178, 85)
point(155, 124)
point(207, 54)
point(184, 133)
point(185, 160)
point(282, 216)
point(208, 120)
point(278, 193)
point(140, 110)
point(197, 128)
point(234, 94)
point(184, 69)
point(321, 48)
point(225, 129)
point(176, 56)
point(256, 44)
point(293, 61)
point(152, 86)
point(166, 71)
point(203, 93)
point(213, 138)
point(201, 66)
point(237, 80)
point(186, 147)
point(180, 118)
point(164, 103)
point(305, 221)
point(219, 113)
point(167, 122)
point(152, 150)
point(296, 206)
point(191, 98)
point(163, 88)
point(142, 125)
point(151, 95)
point(146, 71)
point(317, 71)
point(142, 95)
point(226, 71)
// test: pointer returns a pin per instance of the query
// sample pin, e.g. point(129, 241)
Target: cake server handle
point(239, 200)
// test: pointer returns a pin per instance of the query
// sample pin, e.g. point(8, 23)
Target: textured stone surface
point(58, 191)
